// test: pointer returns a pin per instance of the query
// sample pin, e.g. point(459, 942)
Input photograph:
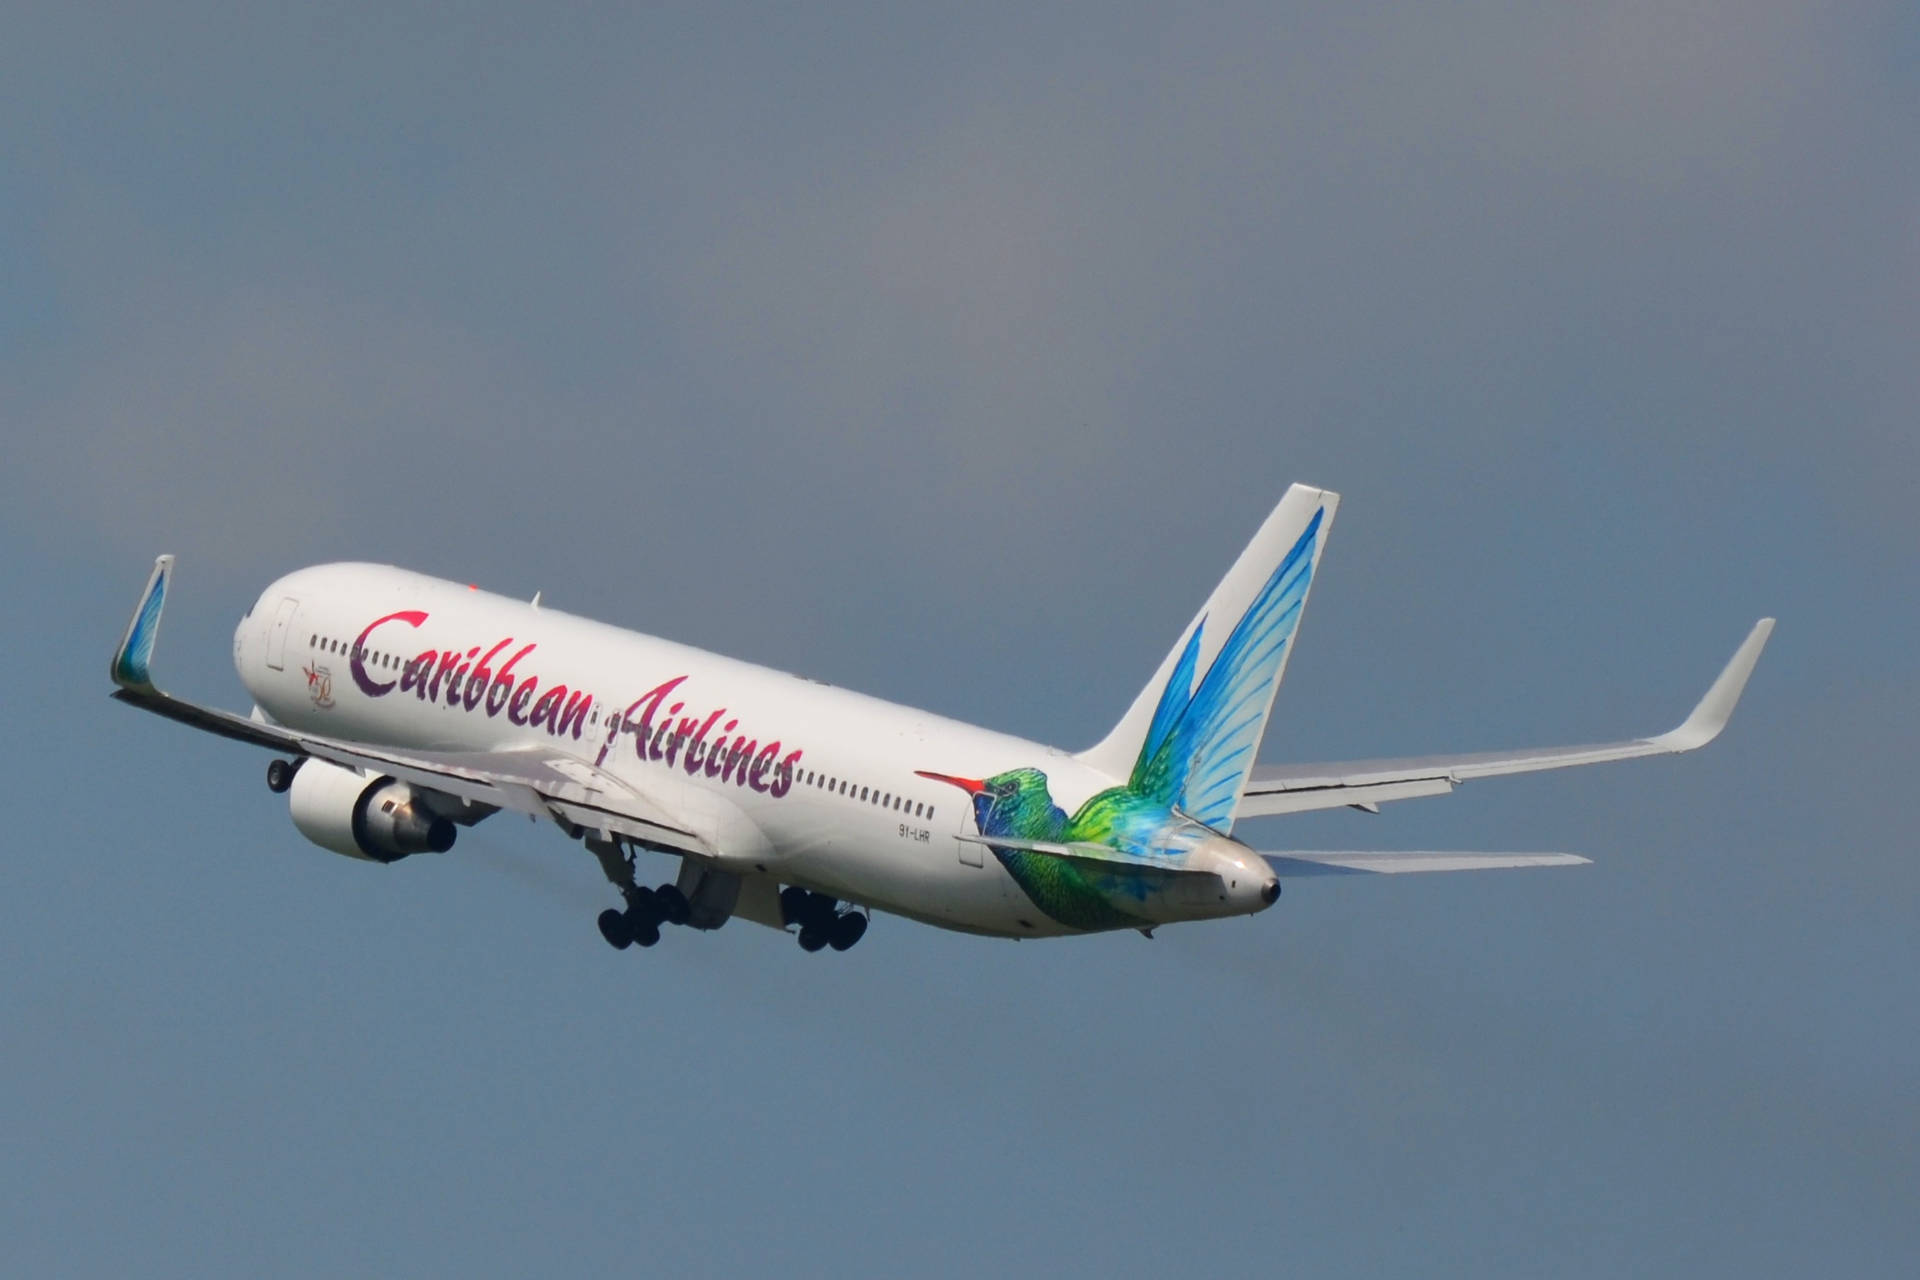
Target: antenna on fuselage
point(536, 599)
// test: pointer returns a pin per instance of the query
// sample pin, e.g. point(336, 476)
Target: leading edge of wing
point(1297, 864)
point(1297, 788)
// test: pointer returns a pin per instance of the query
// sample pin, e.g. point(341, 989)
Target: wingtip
point(1710, 716)
point(132, 661)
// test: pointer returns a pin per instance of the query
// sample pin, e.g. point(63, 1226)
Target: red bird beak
point(972, 786)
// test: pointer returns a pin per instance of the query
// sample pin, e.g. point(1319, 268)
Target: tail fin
point(1189, 746)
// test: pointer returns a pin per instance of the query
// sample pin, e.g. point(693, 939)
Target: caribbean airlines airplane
point(403, 708)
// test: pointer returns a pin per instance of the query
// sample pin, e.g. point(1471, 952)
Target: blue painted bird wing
point(1173, 700)
point(1196, 756)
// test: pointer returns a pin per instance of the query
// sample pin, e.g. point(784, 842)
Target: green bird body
point(1082, 893)
point(1186, 776)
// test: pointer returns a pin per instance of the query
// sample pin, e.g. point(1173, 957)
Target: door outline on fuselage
point(972, 853)
point(277, 632)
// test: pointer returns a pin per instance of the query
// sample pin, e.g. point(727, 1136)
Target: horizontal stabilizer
point(1296, 864)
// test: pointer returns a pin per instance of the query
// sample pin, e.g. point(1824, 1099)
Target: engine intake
point(377, 819)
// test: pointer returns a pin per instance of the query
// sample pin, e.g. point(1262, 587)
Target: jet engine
point(375, 818)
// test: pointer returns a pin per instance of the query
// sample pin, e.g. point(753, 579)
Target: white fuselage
point(380, 655)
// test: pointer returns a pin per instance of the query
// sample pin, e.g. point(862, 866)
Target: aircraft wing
point(1365, 784)
point(543, 782)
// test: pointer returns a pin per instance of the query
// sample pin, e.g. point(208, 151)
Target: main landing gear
point(822, 923)
point(638, 924)
point(647, 909)
point(706, 898)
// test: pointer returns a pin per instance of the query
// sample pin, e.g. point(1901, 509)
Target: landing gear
point(643, 916)
point(705, 898)
point(645, 932)
point(638, 923)
point(615, 929)
point(822, 923)
point(280, 774)
point(849, 928)
point(672, 904)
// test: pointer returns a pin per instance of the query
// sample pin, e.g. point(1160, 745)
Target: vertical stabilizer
point(1191, 735)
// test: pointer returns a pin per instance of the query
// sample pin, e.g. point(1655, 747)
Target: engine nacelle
point(377, 819)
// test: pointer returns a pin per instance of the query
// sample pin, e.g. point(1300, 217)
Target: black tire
point(847, 930)
point(794, 903)
point(643, 907)
point(673, 904)
point(646, 935)
point(811, 939)
point(614, 928)
point(280, 775)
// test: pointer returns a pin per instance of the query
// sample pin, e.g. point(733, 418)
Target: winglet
point(1711, 716)
point(131, 659)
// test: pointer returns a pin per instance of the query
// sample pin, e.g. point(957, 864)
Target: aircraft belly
point(921, 881)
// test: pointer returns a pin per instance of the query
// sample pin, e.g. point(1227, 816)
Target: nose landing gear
point(822, 923)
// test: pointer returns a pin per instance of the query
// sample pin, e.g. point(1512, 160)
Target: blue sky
point(951, 357)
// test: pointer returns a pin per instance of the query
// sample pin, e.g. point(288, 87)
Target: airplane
point(402, 708)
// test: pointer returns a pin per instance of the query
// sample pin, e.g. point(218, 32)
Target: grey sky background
point(952, 356)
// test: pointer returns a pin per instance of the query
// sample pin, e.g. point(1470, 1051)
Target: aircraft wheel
point(795, 904)
point(645, 934)
point(280, 775)
point(644, 907)
point(673, 904)
point(847, 930)
point(811, 939)
point(614, 928)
